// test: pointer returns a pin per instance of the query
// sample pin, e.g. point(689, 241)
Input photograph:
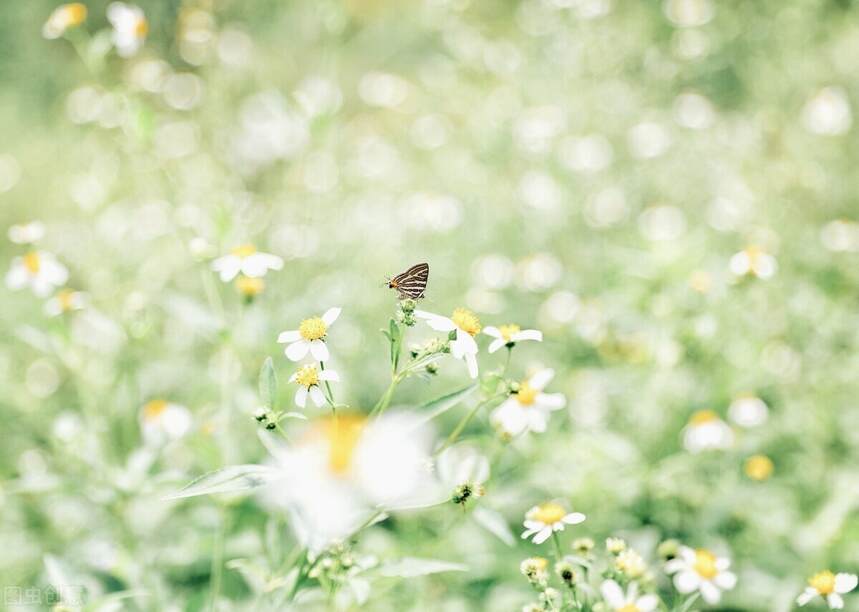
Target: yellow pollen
point(540, 563)
point(250, 287)
point(823, 582)
point(307, 376)
point(548, 513)
point(703, 416)
point(141, 28)
point(66, 299)
point(627, 608)
point(245, 250)
point(508, 331)
point(466, 320)
point(705, 564)
point(313, 328)
point(342, 433)
point(72, 14)
point(32, 262)
point(154, 409)
point(527, 394)
point(758, 467)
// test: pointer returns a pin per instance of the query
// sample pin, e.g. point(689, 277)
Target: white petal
point(331, 315)
point(835, 601)
point(553, 401)
point(723, 563)
point(686, 581)
point(41, 287)
point(688, 555)
point(541, 379)
point(317, 396)
point(537, 420)
point(329, 375)
point(710, 593)
point(574, 518)
point(471, 361)
point(496, 344)
point(613, 594)
point(254, 265)
point(272, 261)
point(529, 532)
point(542, 535)
point(527, 334)
point(494, 332)
point(293, 377)
point(844, 583)
point(301, 397)
point(436, 322)
point(509, 417)
point(228, 266)
point(319, 350)
point(54, 272)
point(297, 350)
point(466, 342)
point(807, 595)
point(17, 278)
point(725, 580)
point(675, 565)
point(292, 335)
point(647, 603)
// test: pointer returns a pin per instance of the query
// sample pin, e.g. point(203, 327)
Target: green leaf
point(442, 404)
point(494, 523)
point(268, 384)
point(410, 567)
point(227, 480)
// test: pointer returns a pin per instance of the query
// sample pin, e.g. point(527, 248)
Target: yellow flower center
point(527, 394)
point(313, 328)
point(342, 433)
point(758, 467)
point(705, 564)
point(307, 376)
point(245, 250)
point(466, 320)
point(250, 287)
point(65, 298)
point(154, 409)
point(141, 28)
point(823, 582)
point(73, 14)
point(32, 262)
point(703, 416)
point(508, 331)
point(549, 512)
point(628, 608)
point(540, 563)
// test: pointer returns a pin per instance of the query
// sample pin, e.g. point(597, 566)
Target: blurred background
point(666, 189)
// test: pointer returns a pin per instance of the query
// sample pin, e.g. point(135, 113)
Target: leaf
point(227, 480)
point(268, 384)
point(494, 523)
point(409, 567)
point(442, 404)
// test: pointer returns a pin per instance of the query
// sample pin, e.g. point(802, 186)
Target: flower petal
point(647, 603)
point(574, 518)
point(289, 336)
point(835, 601)
point(710, 592)
point(807, 595)
point(471, 361)
point(301, 397)
point(844, 583)
point(527, 334)
point(541, 379)
point(331, 315)
point(496, 344)
point(686, 581)
point(552, 401)
point(725, 580)
point(613, 594)
point(436, 322)
point(317, 396)
point(319, 350)
point(297, 350)
point(542, 535)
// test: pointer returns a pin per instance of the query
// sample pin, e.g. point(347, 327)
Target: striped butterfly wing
point(412, 283)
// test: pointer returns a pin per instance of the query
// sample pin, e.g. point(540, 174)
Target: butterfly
point(412, 282)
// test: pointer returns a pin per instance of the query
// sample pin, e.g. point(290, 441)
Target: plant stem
point(463, 423)
point(687, 605)
point(329, 395)
point(558, 554)
point(385, 400)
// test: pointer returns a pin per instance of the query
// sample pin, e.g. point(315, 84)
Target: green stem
point(558, 554)
point(687, 605)
point(507, 361)
point(463, 423)
point(329, 395)
point(386, 398)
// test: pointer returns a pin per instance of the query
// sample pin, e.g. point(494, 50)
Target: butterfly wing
point(412, 283)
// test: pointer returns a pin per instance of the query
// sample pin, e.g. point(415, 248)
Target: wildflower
point(38, 270)
point(247, 260)
point(308, 378)
point(668, 549)
point(509, 335)
point(463, 469)
point(65, 300)
point(62, 18)
point(627, 602)
point(615, 545)
point(706, 431)
point(130, 27)
point(748, 411)
point(535, 569)
point(463, 325)
point(630, 563)
point(249, 287)
point(310, 336)
point(701, 570)
point(758, 467)
point(583, 546)
point(162, 419)
point(567, 573)
point(830, 587)
point(754, 262)
point(528, 409)
point(26, 233)
point(547, 518)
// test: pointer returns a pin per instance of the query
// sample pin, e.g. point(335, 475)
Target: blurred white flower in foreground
point(466, 325)
point(65, 300)
point(64, 17)
point(529, 408)
point(27, 233)
point(701, 570)
point(748, 411)
point(162, 420)
point(509, 335)
point(343, 469)
point(310, 336)
point(38, 270)
point(828, 112)
point(547, 518)
point(629, 601)
point(830, 587)
point(129, 27)
point(706, 431)
point(755, 262)
point(247, 260)
point(308, 378)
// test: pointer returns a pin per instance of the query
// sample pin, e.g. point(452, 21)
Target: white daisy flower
point(161, 419)
point(38, 270)
point(547, 518)
point(509, 335)
point(706, 431)
point(130, 27)
point(466, 325)
point(247, 260)
point(308, 378)
point(748, 411)
point(700, 570)
point(65, 300)
point(529, 409)
point(62, 18)
point(754, 262)
point(619, 601)
point(463, 469)
point(310, 336)
point(830, 587)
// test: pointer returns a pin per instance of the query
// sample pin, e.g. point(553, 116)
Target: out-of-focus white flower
point(27, 233)
point(38, 270)
point(748, 411)
point(466, 325)
point(64, 17)
point(627, 602)
point(630, 563)
point(828, 112)
point(130, 27)
point(755, 262)
point(830, 587)
point(247, 260)
point(547, 518)
point(308, 378)
point(529, 408)
point(701, 570)
point(310, 336)
point(161, 419)
point(509, 335)
point(65, 300)
point(461, 465)
point(706, 431)
point(342, 469)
